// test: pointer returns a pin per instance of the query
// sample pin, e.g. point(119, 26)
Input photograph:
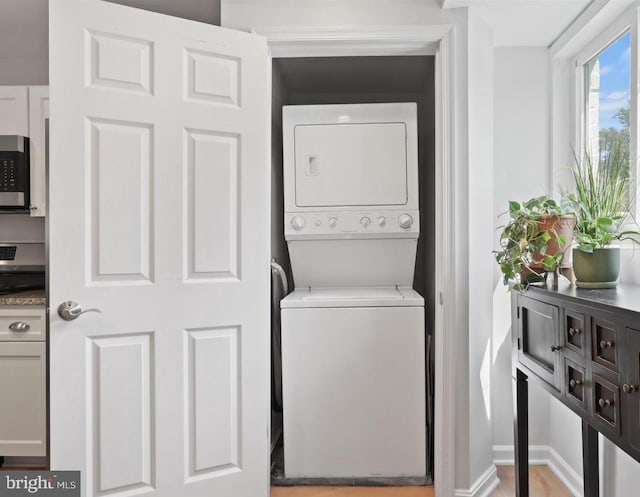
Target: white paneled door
point(159, 219)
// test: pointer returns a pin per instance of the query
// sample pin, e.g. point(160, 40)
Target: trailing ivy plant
point(602, 198)
point(523, 256)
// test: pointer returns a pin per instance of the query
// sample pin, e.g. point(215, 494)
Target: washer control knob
point(297, 223)
point(365, 221)
point(382, 221)
point(333, 221)
point(405, 221)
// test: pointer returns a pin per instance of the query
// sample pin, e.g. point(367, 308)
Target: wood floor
point(543, 483)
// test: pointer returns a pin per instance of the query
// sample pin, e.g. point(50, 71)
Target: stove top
point(22, 267)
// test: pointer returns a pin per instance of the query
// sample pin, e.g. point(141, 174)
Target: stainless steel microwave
point(14, 172)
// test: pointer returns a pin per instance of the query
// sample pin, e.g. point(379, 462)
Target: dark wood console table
point(583, 347)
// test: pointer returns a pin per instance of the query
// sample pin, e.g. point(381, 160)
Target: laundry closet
point(352, 343)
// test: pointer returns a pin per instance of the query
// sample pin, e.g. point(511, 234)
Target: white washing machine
point(353, 337)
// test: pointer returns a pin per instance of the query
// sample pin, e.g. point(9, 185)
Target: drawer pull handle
point(575, 383)
point(605, 403)
point(19, 326)
point(629, 388)
point(606, 344)
point(555, 348)
point(574, 331)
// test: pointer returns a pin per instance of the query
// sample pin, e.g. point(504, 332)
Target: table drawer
point(25, 323)
point(574, 331)
point(606, 338)
point(605, 406)
point(575, 384)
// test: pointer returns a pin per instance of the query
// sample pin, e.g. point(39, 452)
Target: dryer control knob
point(405, 221)
point(365, 221)
point(382, 221)
point(333, 221)
point(297, 223)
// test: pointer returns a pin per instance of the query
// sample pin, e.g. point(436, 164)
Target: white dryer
point(353, 337)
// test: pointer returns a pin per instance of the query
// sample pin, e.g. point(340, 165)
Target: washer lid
point(352, 297)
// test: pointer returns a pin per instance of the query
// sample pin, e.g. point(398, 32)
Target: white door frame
point(435, 40)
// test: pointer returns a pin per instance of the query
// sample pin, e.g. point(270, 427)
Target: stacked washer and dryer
point(353, 335)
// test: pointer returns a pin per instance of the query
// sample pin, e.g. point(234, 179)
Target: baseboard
point(566, 474)
point(544, 455)
point(503, 455)
point(483, 486)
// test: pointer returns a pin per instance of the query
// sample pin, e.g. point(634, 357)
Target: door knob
point(575, 383)
point(574, 331)
point(555, 348)
point(629, 388)
point(70, 310)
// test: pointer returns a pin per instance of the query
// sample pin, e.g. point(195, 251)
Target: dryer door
point(351, 164)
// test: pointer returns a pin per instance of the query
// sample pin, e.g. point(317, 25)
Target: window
point(607, 102)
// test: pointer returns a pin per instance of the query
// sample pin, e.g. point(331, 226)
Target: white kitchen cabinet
point(23, 380)
point(23, 409)
point(38, 114)
point(14, 113)
point(22, 323)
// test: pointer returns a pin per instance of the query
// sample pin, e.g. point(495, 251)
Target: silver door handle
point(277, 268)
point(19, 326)
point(70, 310)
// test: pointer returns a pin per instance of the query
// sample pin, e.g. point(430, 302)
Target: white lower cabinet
point(23, 395)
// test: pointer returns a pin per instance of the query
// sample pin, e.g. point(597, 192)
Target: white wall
point(248, 14)
point(207, 11)
point(24, 71)
point(522, 105)
point(481, 192)
point(21, 228)
point(565, 435)
point(521, 171)
point(23, 42)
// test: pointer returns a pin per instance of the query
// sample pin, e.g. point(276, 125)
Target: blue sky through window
point(615, 80)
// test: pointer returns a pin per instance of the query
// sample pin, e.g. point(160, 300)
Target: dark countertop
point(32, 297)
point(625, 296)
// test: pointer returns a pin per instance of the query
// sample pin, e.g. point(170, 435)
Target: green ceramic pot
point(597, 270)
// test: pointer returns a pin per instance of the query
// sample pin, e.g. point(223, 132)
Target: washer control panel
point(352, 223)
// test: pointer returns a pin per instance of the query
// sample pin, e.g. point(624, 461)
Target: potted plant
point(600, 201)
point(533, 241)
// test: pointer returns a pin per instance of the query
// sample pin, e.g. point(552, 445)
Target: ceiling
point(23, 23)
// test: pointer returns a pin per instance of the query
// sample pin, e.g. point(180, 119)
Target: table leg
point(590, 467)
point(521, 433)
